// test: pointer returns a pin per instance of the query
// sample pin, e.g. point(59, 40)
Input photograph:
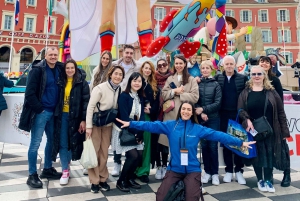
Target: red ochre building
point(30, 33)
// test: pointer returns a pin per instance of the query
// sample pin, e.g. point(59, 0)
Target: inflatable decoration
point(219, 47)
point(180, 25)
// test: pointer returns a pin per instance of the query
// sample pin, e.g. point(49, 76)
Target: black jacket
point(4, 82)
point(154, 103)
point(240, 81)
point(78, 102)
point(210, 97)
point(36, 83)
point(125, 103)
point(277, 85)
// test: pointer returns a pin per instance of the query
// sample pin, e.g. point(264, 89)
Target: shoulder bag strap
point(98, 106)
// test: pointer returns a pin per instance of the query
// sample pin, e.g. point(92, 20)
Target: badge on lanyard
point(184, 157)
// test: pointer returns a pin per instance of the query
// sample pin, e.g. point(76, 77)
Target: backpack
point(176, 192)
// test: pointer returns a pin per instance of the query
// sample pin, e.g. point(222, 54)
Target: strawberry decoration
point(157, 45)
point(189, 48)
point(166, 21)
point(221, 48)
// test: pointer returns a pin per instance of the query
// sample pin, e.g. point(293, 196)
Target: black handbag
point(176, 192)
point(262, 126)
point(127, 138)
point(102, 118)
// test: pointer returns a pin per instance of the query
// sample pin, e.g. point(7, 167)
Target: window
point(262, 1)
point(287, 36)
point(298, 36)
point(31, 2)
point(52, 26)
point(11, 1)
point(229, 13)
point(213, 12)
point(288, 57)
point(267, 36)
point(29, 24)
point(159, 13)
point(283, 15)
point(8, 22)
point(228, 1)
point(246, 16)
point(175, 9)
point(263, 16)
point(248, 38)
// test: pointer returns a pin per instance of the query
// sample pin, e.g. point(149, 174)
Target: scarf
point(136, 100)
point(113, 85)
point(161, 79)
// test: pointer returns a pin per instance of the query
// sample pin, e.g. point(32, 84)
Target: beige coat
point(107, 97)
point(191, 94)
point(134, 68)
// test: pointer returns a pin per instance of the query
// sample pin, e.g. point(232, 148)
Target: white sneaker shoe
point(203, 191)
point(64, 180)
point(270, 187)
point(85, 172)
point(262, 186)
point(240, 178)
point(215, 179)
point(228, 177)
point(205, 178)
point(164, 171)
point(116, 171)
point(158, 174)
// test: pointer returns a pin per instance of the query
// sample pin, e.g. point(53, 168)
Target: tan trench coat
point(191, 94)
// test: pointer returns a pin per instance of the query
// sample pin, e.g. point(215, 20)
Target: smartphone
point(173, 85)
point(253, 132)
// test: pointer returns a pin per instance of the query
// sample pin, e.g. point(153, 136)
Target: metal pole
point(12, 41)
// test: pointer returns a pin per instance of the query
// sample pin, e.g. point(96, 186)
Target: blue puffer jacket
point(4, 82)
point(175, 131)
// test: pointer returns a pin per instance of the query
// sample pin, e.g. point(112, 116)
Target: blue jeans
point(43, 122)
point(64, 153)
point(210, 149)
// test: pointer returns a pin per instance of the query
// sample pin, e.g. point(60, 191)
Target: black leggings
point(164, 157)
point(268, 172)
point(132, 161)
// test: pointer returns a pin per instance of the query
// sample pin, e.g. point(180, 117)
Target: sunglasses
point(256, 74)
point(162, 65)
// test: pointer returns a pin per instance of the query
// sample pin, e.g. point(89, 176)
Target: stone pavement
point(13, 187)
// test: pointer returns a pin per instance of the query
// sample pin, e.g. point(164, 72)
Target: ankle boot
point(107, 32)
point(286, 181)
point(145, 36)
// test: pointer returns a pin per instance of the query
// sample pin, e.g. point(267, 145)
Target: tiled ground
point(13, 175)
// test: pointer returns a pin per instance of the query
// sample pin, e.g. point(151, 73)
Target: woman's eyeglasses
point(162, 65)
point(256, 74)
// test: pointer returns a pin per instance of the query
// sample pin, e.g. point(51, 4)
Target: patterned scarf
point(161, 78)
point(113, 85)
point(136, 100)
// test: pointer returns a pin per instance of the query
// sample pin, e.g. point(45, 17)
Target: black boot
point(286, 181)
point(34, 181)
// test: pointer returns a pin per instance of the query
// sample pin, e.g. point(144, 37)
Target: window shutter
point(279, 36)
point(298, 35)
point(241, 16)
point(155, 13)
point(270, 36)
point(278, 15)
point(259, 16)
point(232, 13)
point(250, 15)
point(289, 38)
point(287, 15)
point(165, 13)
point(291, 58)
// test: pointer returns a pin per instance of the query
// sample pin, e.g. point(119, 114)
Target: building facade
point(30, 34)
point(272, 16)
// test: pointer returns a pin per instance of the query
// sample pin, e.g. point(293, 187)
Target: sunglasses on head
point(162, 65)
point(256, 74)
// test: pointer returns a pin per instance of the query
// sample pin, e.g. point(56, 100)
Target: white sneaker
point(270, 187)
point(228, 177)
point(205, 178)
point(240, 178)
point(158, 174)
point(203, 191)
point(64, 180)
point(215, 179)
point(261, 186)
point(85, 172)
point(164, 171)
point(116, 171)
